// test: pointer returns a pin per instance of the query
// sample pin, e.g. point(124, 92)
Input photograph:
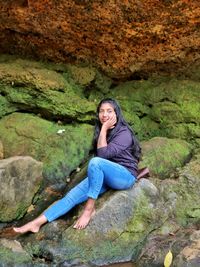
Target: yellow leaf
point(168, 259)
point(30, 208)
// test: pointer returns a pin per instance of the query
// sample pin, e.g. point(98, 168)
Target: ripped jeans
point(102, 175)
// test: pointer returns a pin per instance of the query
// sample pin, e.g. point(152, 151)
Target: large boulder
point(20, 179)
point(116, 232)
point(60, 147)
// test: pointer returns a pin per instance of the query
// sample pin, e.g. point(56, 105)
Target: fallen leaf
point(168, 259)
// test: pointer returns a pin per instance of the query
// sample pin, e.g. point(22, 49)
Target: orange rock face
point(122, 37)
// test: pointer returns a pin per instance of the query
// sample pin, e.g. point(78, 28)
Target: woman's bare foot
point(29, 227)
point(87, 214)
point(84, 219)
point(33, 226)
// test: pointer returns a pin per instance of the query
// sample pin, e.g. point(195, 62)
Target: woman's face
point(106, 112)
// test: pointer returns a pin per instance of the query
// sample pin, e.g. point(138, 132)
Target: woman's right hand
point(110, 123)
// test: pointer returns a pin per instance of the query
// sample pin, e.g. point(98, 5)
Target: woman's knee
point(95, 161)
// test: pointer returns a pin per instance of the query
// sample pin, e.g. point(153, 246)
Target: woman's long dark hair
point(136, 149)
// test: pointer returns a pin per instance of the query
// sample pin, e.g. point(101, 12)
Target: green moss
point(187, 131)
point(60, 153)
point(34, 249)
point(183, 194)
point(162, 101)
point(8, 257)
point(16, 212)
point(83, 75)
point(142, 216)
point(43, 90)
point(5, 107)
point(103, 252)
point(164, 155)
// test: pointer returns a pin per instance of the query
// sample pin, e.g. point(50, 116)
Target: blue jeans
point(102, 175)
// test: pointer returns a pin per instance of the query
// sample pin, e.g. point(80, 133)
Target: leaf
point(168, 259)
point(30, 208)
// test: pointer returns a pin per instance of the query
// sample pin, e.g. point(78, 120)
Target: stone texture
point(61, 152)
point(190, 255)
point(123, 38)
point(20, 179)
point(1, 150)
point(119, 225)
point(30, 85)
point(163, 155)
point(139, 224)
point(117, 211)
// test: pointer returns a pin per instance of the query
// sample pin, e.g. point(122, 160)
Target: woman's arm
point(102, 142)
point(122, 140)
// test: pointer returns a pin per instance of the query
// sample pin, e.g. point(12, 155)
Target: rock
point(12, 254)
point(1, 150)
point(138, 224)
point(179, 204)
point(106, 239)
point(119, 209)
point(121, 38)
point(14, 245)
point(20, 179)
point(6, 106)
point(163, 156)
point(185, 249)
point(190, 255)
point(113, 235)
point(38, 138)
point(22, 81)
point(162, 106)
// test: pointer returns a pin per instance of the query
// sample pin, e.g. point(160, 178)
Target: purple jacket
point(119, 150)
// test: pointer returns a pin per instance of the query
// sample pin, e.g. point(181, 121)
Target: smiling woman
point(114, 166)
point(106, 112)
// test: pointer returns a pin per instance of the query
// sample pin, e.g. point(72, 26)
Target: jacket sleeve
point(122, 141)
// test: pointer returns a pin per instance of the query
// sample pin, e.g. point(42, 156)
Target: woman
point(115, 166)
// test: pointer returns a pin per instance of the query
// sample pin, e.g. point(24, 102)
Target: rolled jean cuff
point(49, 218)
point(92, 195)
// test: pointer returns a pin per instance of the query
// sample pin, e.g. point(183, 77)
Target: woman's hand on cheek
point(110, 123)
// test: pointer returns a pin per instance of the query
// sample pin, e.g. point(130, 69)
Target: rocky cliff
point(123, 38)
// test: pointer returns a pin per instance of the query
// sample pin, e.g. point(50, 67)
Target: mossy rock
point(187, 131)
point(8, 257)
point(83, 75)
point(5, 107)
point(1, 151)
point(182, 194)
point(114, 236)
point(165, 102)
point(163, 156)
point(36, 137)
point(188, 204)
point(42, 90)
